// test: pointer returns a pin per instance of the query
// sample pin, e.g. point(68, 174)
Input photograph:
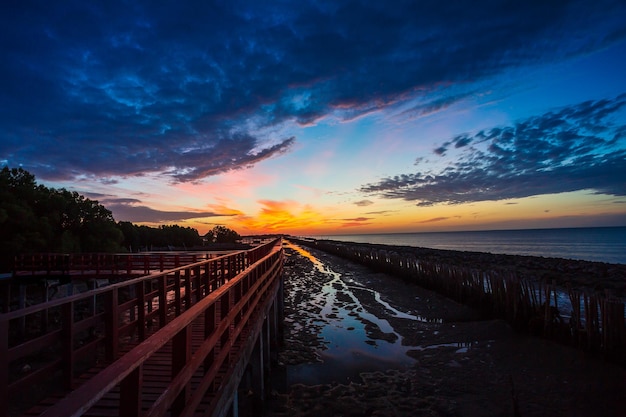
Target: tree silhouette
point(222, 234)
point(34, 218)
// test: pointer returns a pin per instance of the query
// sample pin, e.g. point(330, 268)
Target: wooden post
point(132, 296)
point(188, 289)
point(197, 283)
point(257, 367)
point(210, 322)
point(226, 304)
point(146, 264)
point(140, 291)
point(237, 296)
point(280, 305)
point(149, 302)
point(112, 329)
point(267, 352)
point(44, 313)
point(162, 301)
point(177, 299)
point(5, 289)
point(223, 271)
point(4, 367)
point(21, 305)
point(206, 278)
point(130, 393)
point(67, 313)
point(181, 353)
point(213, 275)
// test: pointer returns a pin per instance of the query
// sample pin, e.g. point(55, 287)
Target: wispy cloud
point(426, 107)
point(434, 220)
point(355, 222)
point(128, 209)
point(195, 89)
point(381, 212)
point(578, 147)
point(357, 219)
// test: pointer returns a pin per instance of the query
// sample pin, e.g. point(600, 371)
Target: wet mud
point(362, 343)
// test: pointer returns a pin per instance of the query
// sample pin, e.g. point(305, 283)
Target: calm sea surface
point(603, 244)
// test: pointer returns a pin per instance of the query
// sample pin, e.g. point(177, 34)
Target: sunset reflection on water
point(308, 255)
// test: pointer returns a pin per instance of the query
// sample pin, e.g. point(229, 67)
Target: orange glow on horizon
point(279, 217)
point(295, 218)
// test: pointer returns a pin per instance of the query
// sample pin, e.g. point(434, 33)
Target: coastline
point(600, 244)
point(577, 274)
point(464, 366)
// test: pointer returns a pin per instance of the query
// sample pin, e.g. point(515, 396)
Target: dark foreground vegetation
point(35, 218)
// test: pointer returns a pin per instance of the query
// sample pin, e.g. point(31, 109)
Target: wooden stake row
point(595, 323)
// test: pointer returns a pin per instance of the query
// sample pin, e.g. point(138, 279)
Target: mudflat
point(458, 364)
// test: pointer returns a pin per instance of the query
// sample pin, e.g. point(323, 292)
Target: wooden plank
point(153, 354)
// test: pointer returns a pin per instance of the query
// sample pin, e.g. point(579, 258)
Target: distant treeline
point(35, 219)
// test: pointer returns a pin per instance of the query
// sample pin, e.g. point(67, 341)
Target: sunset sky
point(317, 117)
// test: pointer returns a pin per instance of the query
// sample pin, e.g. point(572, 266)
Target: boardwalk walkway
point(177, 342)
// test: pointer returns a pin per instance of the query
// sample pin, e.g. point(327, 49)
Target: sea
point(600, 244)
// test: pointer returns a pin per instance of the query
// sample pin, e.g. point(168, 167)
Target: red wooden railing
point(99, 323)
point(105, 263)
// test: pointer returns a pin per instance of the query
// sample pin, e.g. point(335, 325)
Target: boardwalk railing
point(104, 263)
point(593, 321)
point(70, 334)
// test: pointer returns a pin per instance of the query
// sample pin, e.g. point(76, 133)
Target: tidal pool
point(356, 339)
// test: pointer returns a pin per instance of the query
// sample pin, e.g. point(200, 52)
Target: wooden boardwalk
point(106, 264)
point(176, 343)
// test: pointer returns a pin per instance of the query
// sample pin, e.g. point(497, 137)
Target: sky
point(316, 117)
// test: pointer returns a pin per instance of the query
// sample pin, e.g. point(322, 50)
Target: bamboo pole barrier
point(596, 320)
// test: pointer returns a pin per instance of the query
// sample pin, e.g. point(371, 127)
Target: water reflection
point(357, 339)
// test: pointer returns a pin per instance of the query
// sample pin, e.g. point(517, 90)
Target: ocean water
point(602, 244)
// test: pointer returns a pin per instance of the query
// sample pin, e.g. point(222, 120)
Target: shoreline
point(595, 244)
point(464, 365)
point(579, 274)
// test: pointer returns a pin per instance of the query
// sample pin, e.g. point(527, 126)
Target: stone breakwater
point(577, 303)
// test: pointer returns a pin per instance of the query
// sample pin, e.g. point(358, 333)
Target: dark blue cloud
point(123, 88)
point(133, 211)
point(459, 141)
point(575, 148)
point(436, 104)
